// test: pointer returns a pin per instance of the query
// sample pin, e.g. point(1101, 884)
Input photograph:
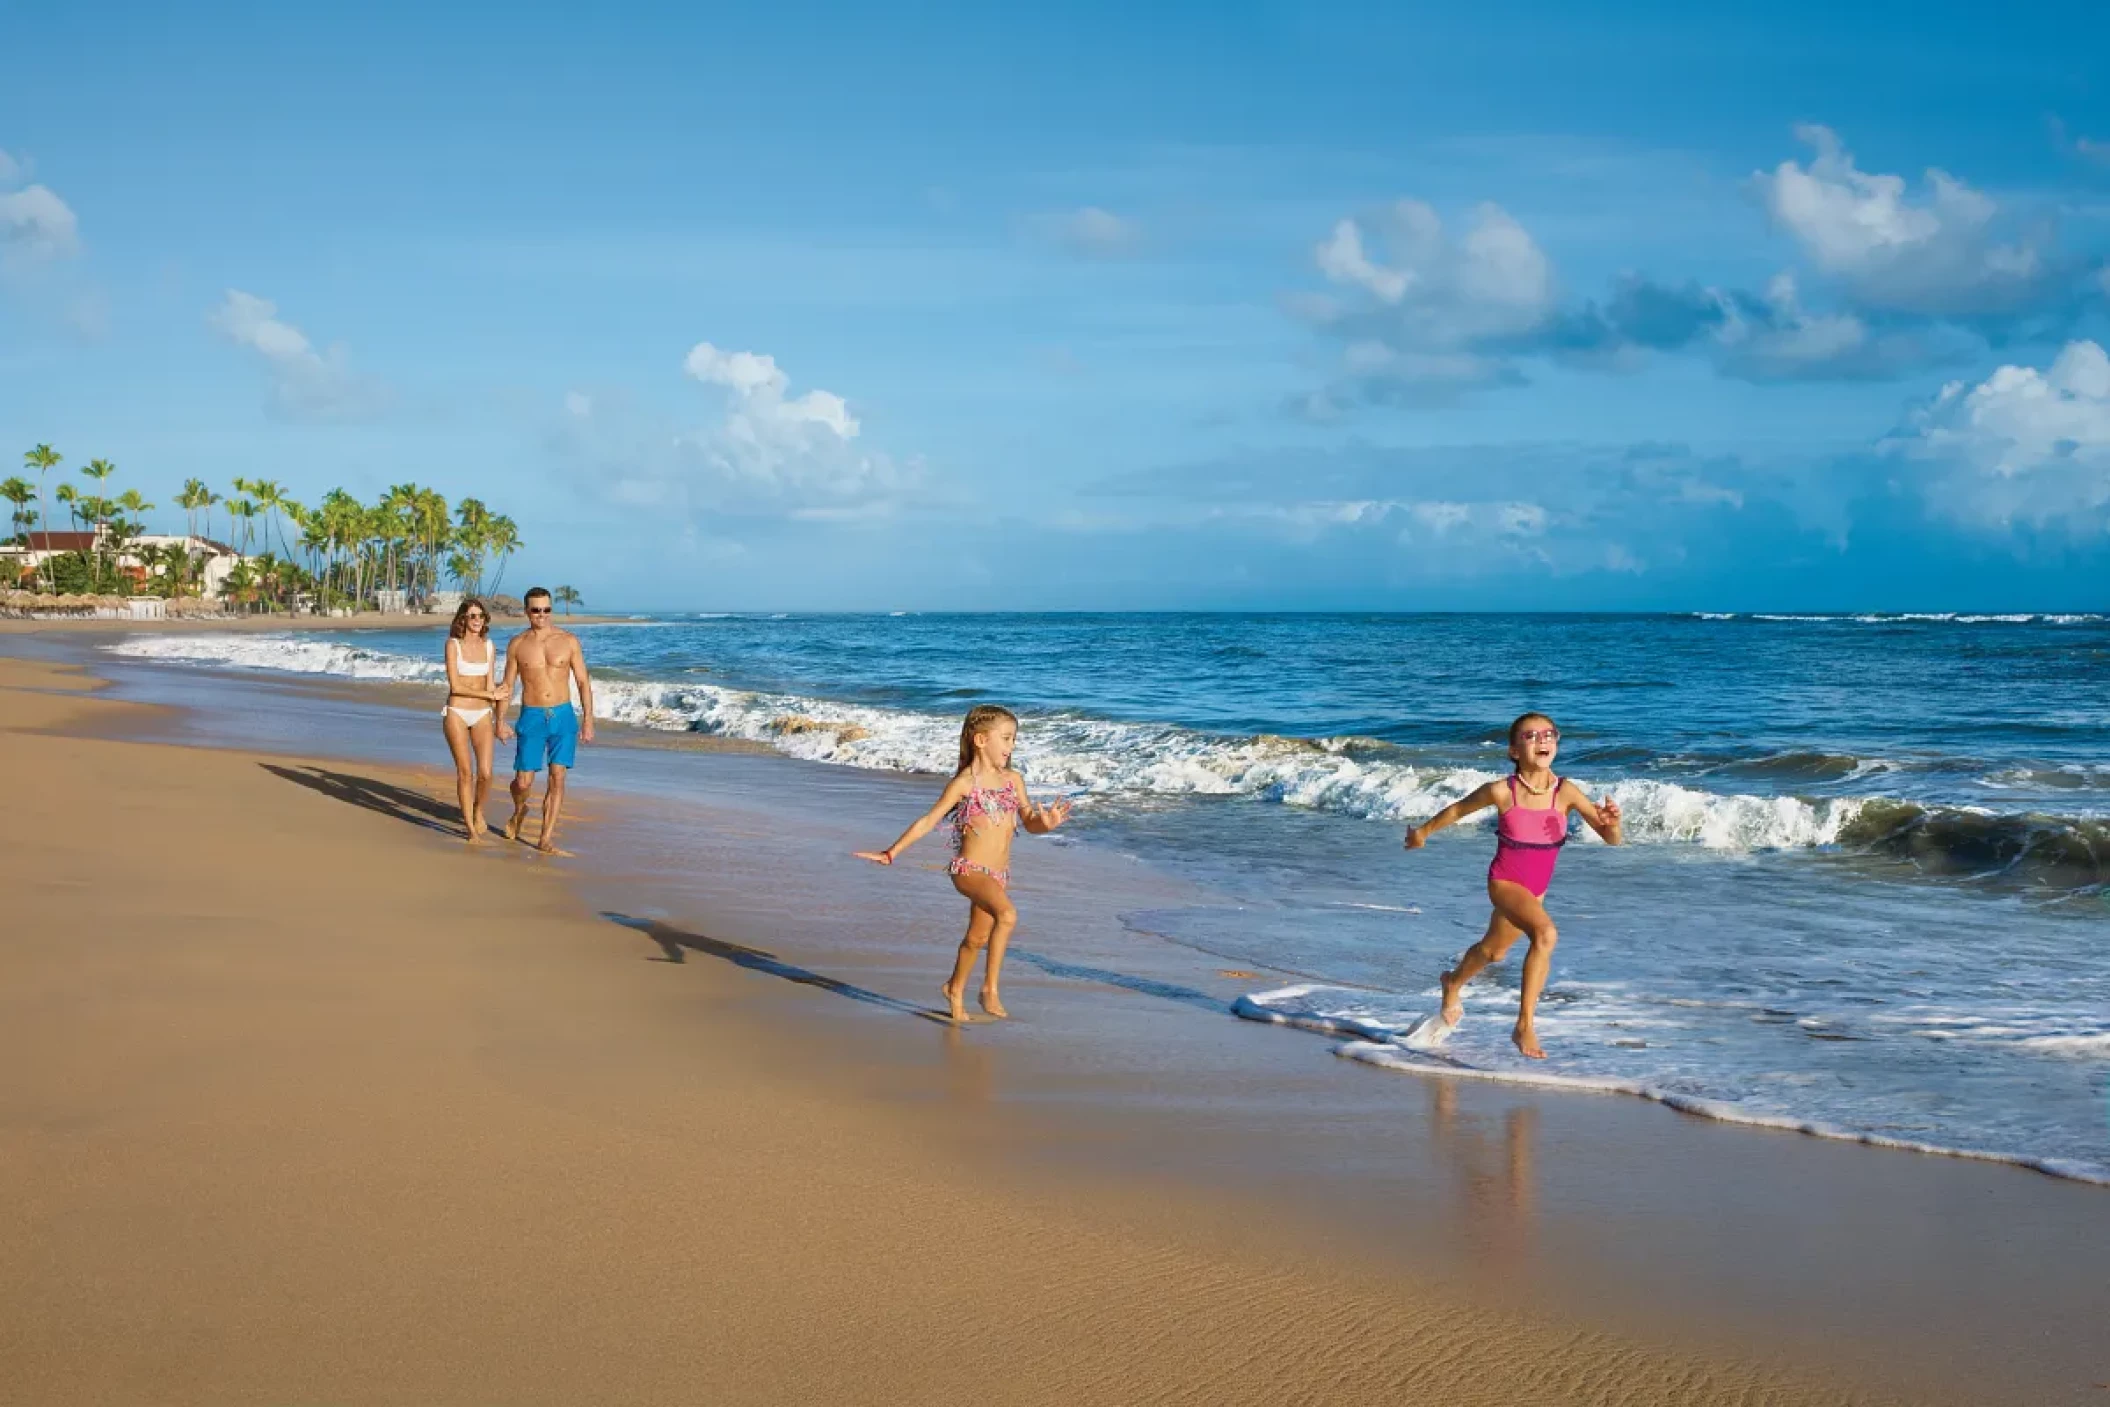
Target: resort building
point(18, 561)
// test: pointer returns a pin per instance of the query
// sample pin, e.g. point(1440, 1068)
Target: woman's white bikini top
point(468, 668)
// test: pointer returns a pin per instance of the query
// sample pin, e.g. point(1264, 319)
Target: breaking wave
point(1352, 776)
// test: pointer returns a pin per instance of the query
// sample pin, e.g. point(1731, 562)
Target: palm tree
point(99, 470)
point(503, 540)
point(43, 459)
point(398, 507)
point(271, 498)
point(175, 563)
point(194, 496)
point(70, 496)
point(435, 528)
point(240, 584)
point(243, 510)
point(472, 535)
point(567, 597)
point(19, 491)
point(127, 521)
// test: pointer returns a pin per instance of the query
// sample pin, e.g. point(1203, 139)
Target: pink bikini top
point(981, 803)
point(1531, 829)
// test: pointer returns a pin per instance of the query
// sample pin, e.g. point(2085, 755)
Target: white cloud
point(1424, 313)
point(2022, 446)
point(769, 452)
point(305, 382)
point(1492, 281)
point(1093, 233)
point(1341, 258)
point(578, 403)
point(1440, 517)
point(1773, 337)
point(1936, 253)
point(36, 226)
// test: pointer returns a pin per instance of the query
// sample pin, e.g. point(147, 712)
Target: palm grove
point(338, 554)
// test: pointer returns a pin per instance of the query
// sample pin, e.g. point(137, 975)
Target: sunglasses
point(1540, 735)
point(538, 610)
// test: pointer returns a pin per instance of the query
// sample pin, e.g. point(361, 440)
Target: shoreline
point(1072, 1077)
point(415, 697)
point(234, 1201)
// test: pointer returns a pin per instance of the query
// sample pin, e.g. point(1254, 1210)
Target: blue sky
point(1295, 306)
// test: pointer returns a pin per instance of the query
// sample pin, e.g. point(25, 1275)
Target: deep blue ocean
point(1864, 889)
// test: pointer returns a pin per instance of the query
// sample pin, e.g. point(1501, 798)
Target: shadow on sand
point(1144, 986)
point(675, 944)
point(383, 798)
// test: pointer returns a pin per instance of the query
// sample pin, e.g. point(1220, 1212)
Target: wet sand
point(304, 1100)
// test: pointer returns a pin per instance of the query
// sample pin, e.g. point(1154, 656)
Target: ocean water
point(1864, 893)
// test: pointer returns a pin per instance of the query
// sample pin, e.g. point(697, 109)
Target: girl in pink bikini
point(1532, 827)
point(983, 817)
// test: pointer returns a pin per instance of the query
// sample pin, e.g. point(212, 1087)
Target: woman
point(475, 713)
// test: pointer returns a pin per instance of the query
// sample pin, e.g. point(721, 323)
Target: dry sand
point(302, 1103)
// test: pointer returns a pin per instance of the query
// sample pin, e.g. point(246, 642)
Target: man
point(545, 660)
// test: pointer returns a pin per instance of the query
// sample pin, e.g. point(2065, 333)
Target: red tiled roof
point(61, 542)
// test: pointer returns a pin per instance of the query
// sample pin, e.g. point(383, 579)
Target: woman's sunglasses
point(1540, 735)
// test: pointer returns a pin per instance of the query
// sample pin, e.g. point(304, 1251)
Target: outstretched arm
point(1600, 816)
point(1478, 800)
point(585, 683)
point(924, 824)
point(1038, 820)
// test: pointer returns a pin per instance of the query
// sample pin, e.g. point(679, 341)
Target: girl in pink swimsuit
point(1529, 834)
point(984, 817)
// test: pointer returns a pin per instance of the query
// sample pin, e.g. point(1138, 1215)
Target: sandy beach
point(306, 1100)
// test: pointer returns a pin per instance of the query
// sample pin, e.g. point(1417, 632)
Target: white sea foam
point(1383, 1030)
point(284, 653)
point(2095, 1046)
point(1927, 618)
point(1077, 755)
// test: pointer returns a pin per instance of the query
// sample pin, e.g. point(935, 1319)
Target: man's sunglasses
point(538, 610)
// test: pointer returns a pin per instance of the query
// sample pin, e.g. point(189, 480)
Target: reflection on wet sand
point(1495, 1194)
point(970, 1067)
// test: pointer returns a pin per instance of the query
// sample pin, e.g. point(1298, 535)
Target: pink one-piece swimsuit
point(1528, 842)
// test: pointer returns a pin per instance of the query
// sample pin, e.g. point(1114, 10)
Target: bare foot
point(1528, 1042)
point(513, 826)
point(1453, 999)
point(480, 829)
point(545, 848)
point(993, 1006)
point(955, 999)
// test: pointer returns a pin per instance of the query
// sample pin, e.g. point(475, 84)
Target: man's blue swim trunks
point(545, 737)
